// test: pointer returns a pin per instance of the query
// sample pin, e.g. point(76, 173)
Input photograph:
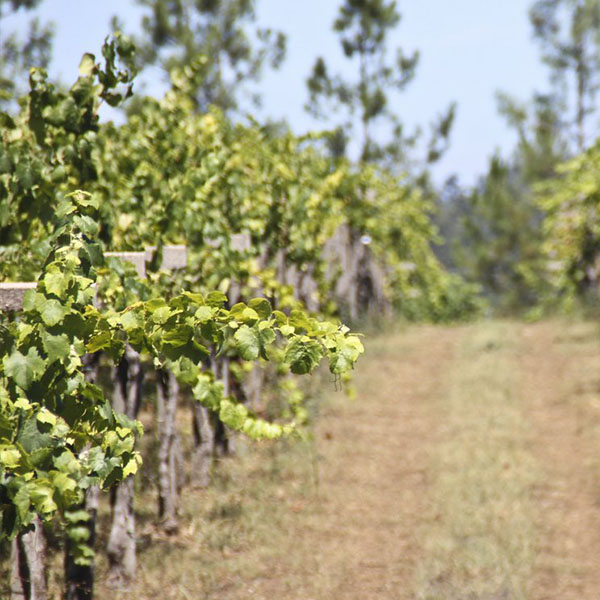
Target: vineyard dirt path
point(361, 540)
point(562, 386)
point(402, 469)
point(468, 467)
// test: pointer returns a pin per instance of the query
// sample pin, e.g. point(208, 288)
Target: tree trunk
point(79, 579)
point(252, 388)
point(223, 444)
point(121, 541)
point(28, 575)
point(582, 85)
point(168, 463)
point(128, 378)
point(204, 445)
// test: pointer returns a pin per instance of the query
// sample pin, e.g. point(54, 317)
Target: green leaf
point(299, 319)
point(52, 311)
point(130, 468)
point(99, 341)
point(57, 347)
point(45, 417)
point(287, 330)
point(197, 298)
point(280, 317)
point(204, 313)
point(178, 336)
point(130, 320)
point(31, 299)
point(30, 437)
point(22, 403)
point(343, 357)
point(40, 459)
point(63, 483)
point(65, 207)
point(161, 315)
point(79, 533)
point(22, 502)
point(233, 415)
point(56, 283)
point(87, 65)
point(248, 342)
point(154, 304)
point(267, 336)
point(41, 496)
point(96, 457)
point(77, 516)
point(66, 462)
point(303, 355)
point(208, 392)
point(24, 368)
point(216, 299)
point(9, 457)
point(261, 306)
point(80, 197)
point(249, 315)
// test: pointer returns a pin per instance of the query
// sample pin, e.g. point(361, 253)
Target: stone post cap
point(174, 256)
point(137, 259)
point(12, 293)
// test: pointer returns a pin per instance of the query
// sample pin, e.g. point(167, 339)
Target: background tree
point(499, 243)
point(569, 35)
point(219, 38)
point(499, 222)
point(542, 140)
point(364, 27)
point(18, 54)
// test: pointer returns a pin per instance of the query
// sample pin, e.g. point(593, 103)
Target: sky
point(469, 49)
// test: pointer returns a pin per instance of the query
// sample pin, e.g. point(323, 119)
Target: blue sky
point(469, 49)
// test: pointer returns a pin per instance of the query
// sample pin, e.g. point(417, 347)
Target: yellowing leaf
point(10, 457)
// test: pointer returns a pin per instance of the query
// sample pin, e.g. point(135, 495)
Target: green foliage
point(572, 226)
point(43, 367)
point(47, 150)
point(58, 434)
point(501, 239)
point(499, 222)
point(542, 140)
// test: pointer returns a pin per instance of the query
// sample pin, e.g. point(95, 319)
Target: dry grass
point(478, 542)
point(562, 386)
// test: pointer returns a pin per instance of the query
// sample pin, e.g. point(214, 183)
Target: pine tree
point(500, 238)
point(363, 27)
point(542, 140)
point(499, 222)
point(569, 35)
point(18, 55)
point(219, 38)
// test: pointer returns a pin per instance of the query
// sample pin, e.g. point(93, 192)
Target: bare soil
point(361, 540)
point(562, 384)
